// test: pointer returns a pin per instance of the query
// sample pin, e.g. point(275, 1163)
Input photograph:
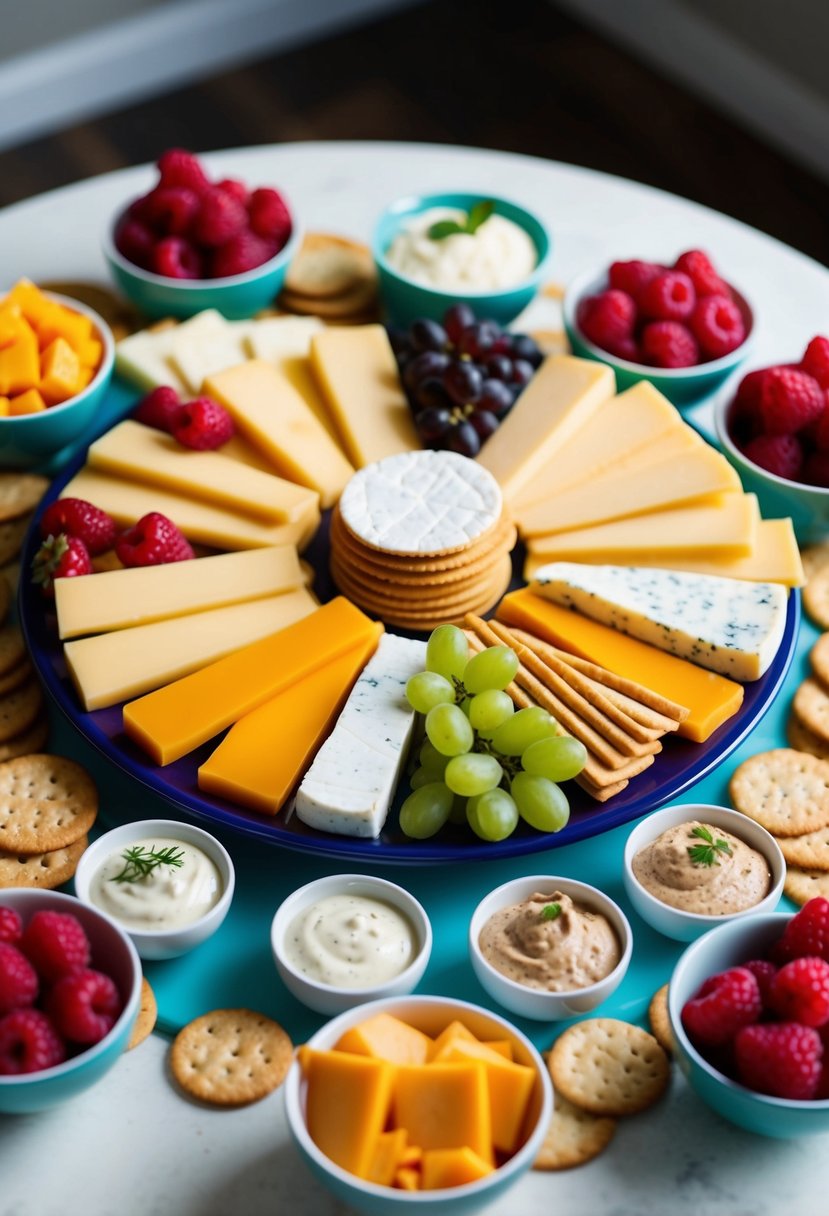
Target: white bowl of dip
point(174, 907)
point(346, 939)
point(707, 892)
point(532, 974)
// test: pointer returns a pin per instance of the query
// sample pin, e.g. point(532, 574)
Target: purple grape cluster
point(462, 377)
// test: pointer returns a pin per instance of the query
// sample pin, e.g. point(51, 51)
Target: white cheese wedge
point(144, 358)
point(726, 625)
point(197, 356)
point(350, 785)
point(276, 338)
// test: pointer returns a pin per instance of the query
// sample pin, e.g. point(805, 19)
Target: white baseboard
point(160, 49)
point(710, 62)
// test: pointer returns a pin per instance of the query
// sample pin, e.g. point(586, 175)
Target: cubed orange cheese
point(389, 1149)
point(29, 402)
point(90, 352)
point(407, 1178)
point(31, 301)
point(444, 1106)
point(510, 1087)
point(443, 1167)
point(712, 699)
point(387, 1038)
point(502, 1046)
point(171, 721)
point(347, 1106)
point(12, 324)
point(248, 769)
point(57, 321)
point(59, 371)
point(455, 1030)
point(20, 364)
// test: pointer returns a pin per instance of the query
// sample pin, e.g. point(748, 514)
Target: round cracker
point(574, 1137)
point(327, 266)
point(43, 870)
point(802, 885)
point(15, 676)
point(12, 534)
point(5, 599)
point(659, 1021)
point(20, 493)
point(814, 558)
point(785, 791)
point(807, 852)
point(33, 739)
point(816, 597)
point(502, 535)
point(819, 658)
point(231, 1056)
point(811, 707)
point(609, 1067)
point(429, 598)
point(147, 1016)
point(12, 648)
point(46, 802)
point(804, 740)
point(19, 709)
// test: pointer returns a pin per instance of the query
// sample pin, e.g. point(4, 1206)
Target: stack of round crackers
point(333, 278)
point(421, 538)
point(47, 806)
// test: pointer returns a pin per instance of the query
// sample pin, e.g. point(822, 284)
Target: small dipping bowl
point(534, 1002)
point(328, 998)
point(161, 943)
point(675, 922)
point(112, 953)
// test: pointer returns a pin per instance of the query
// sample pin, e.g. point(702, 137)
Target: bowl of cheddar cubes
point(56, 360)
point(418, 1101)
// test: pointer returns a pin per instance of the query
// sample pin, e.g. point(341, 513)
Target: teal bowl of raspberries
point(70, 988)
point(192, 243)
point(749, 1008)
point(682, 326)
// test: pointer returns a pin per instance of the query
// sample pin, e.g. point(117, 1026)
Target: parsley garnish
point(706, 854)
point(139, 862)
point(478, 214)
point(550, 911)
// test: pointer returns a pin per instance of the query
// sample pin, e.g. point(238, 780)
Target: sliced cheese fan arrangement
point(654, 592)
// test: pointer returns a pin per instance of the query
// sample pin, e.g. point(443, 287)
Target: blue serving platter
point(679, 766)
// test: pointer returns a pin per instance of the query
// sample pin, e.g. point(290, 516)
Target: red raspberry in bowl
point(153, 541)
point(789, 401)
point(11, 925)
point(269, 216)
point(203, 424)
point(176, 258)
point(631, 277)
point(815, 471)
point(28, 1043)
point(780, 1058)
point(159, 408)
point(220, 216)
point(799, 992)
point(607, 320)
point(764, 972)
point(82, 519)
point(669, 296)
point(136, 242)
point(778, 454)
point(84, 1006)
point(816, 360)
point(18, 979)
point(170, 210)
point(718, 326)
point(238, 189)
point(807, 934)
point(56, 944)
point(700, 270)
point(178, 167)
point(725, 1003)
point(243, 252)
point(669, 344)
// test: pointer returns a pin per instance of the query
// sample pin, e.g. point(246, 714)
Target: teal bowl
point(112, 952)
point(431, 1015)
point(405, 300)
point(30, 439)
point(728, 946)
point(236, 297)
point(681, 385)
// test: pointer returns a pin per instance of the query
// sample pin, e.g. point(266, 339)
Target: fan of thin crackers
point(334, 278)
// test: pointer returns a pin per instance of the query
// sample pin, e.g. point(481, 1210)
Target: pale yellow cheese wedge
point(270, 412)
point(143, 358)
point(145, 454)
point(112, 667)
point(726, 527)
point(297, 370)
point(562, 395)
point(201, 522)
point(120, 599)
point(700, 473)
point(356, 369)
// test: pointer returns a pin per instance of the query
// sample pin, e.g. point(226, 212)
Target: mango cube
point(29, 402)
point(20, 365)
point(60, 371)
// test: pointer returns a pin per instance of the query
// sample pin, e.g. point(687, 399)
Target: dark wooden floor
point(522, 77)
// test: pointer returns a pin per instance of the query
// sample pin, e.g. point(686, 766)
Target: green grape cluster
point(482, 760)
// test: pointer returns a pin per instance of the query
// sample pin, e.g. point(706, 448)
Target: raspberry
point(11, 926)
point(816, 360)
point(778, 454)
point(176, 258)
point(238, 189)
point(177, 167)
point(84, 1006)
point(669, 296)
point(203, 424)
point(220, 216)
point(18, 979)
point(269, 216)
point(241, 253)
point(56, 944)
point(59, 556)
point(744, 414)
point(700, 270)
point(669, 344)
point(807, 934)
point(780, 1058)
point(632, 276)
point(170, 209)
point(800, 992)
point(820, 432)
point(789, 401)
point(718, 326)
point(159, 408)
point(815, 471)
point(724, 1004)
point(28, 1043)
point(153, 541)
point(607, 320)
point(76, 517)
point(764, 972)
point(135, 242)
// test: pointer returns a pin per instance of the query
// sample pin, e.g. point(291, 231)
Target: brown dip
point(729, 881)
point(560, 953)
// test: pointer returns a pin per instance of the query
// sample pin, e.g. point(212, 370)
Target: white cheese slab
point(277, 338)
point(144, 357)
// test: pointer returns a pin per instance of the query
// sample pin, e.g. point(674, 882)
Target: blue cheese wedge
point(727, 625)
point(350, 785)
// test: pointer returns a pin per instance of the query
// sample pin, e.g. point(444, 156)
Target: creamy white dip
point(498, 254)
point(350, 941)
point(168, 897)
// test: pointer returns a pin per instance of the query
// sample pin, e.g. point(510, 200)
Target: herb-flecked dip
point(550, 942)
point(156, 884)
point(697, 867)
